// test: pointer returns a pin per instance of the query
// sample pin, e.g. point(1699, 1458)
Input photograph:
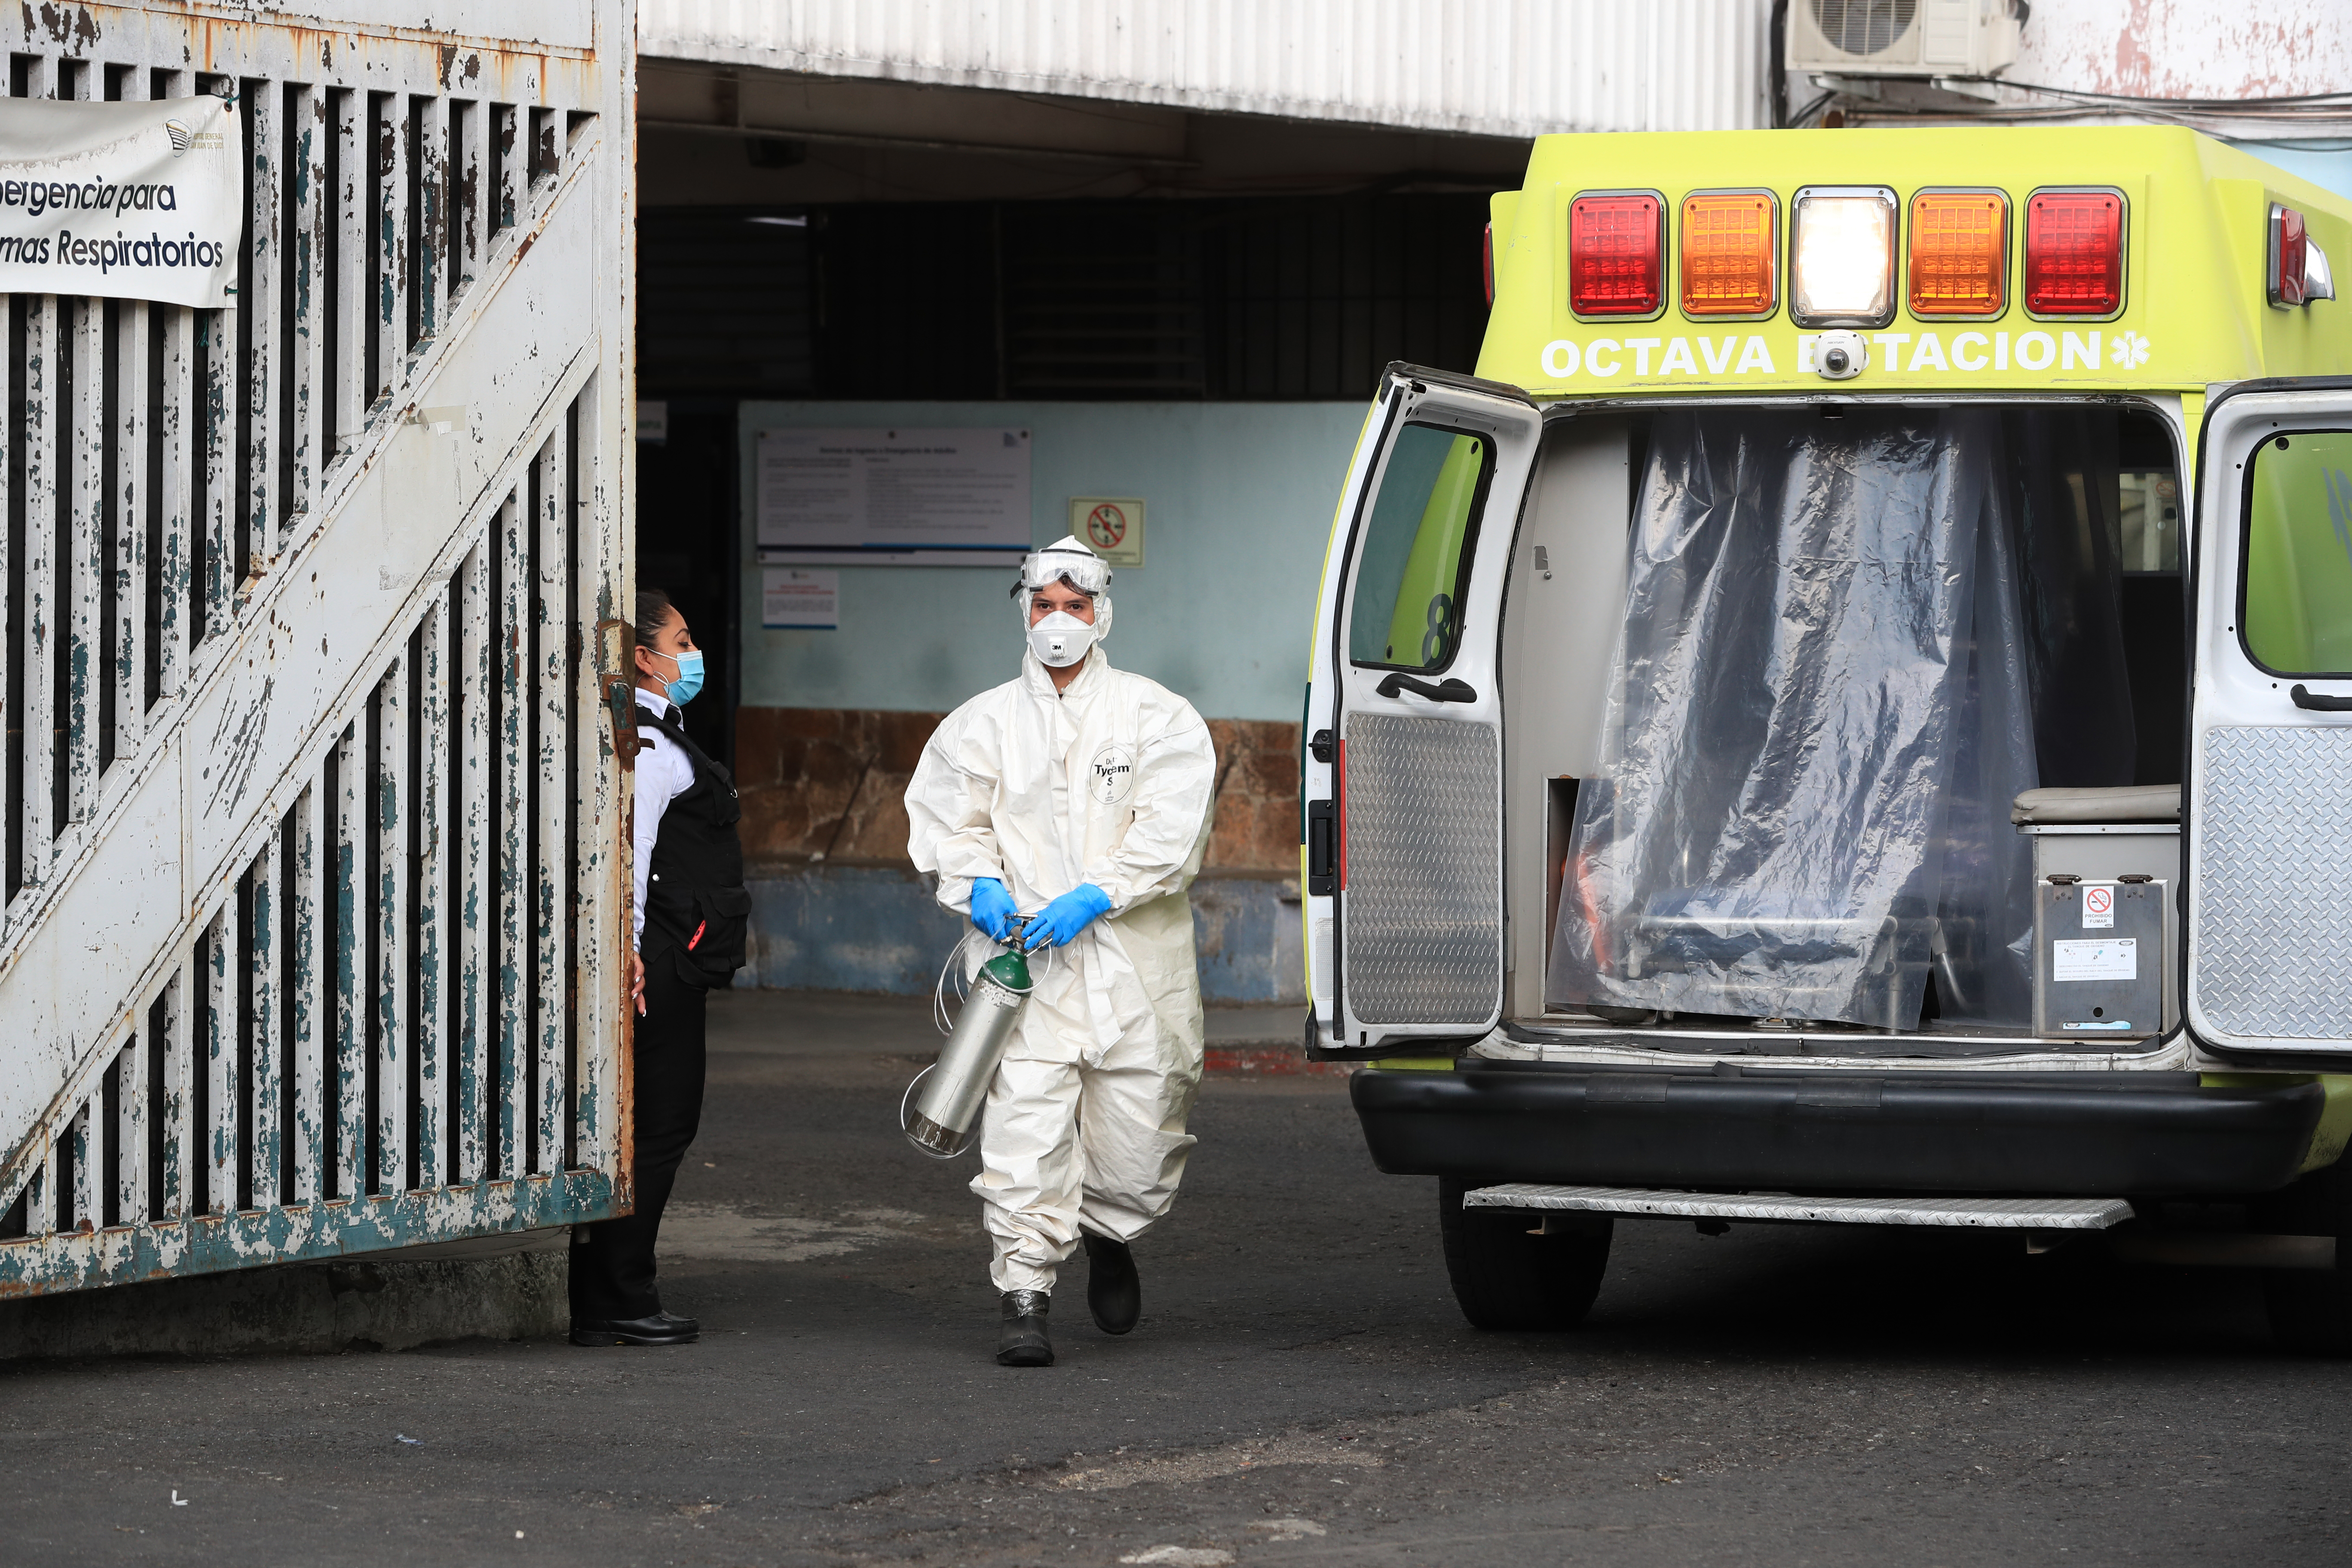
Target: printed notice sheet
point(2114, 959)
point(796, 600)
point(893, 494)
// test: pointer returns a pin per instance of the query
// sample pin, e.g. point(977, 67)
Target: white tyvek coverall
point(1108, 782)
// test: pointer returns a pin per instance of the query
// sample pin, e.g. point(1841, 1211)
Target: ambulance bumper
point(2093, 1134)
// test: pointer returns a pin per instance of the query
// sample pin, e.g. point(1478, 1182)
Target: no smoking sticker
point(2098, 908)
point(1111, 526)
point(1106, 525)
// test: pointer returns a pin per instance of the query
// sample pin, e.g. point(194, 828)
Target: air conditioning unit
point(1902, 38)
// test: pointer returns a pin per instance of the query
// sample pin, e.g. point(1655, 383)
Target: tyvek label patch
point(1112, 774)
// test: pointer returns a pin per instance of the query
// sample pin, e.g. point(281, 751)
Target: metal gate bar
point(309, 912)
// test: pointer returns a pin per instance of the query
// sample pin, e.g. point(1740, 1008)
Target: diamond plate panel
point(2273, 941)
point(1421, 920)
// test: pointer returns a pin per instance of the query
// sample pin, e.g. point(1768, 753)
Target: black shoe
point(661, 1329)
point(1023, 1340)
point(1114, 1293)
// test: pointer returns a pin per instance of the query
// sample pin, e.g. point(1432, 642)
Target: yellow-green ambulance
point(1847, 716)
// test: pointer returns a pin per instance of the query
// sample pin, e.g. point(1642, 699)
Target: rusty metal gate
point(315, 908)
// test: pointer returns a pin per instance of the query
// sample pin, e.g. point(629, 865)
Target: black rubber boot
point(1114, 1292)
point(1024, 1342)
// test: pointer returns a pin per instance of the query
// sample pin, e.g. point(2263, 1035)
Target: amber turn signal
point(1959, 253)
point(1729, 246)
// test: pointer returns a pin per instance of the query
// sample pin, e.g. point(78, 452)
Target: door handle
point(1322, 848)
point(2319, 702)
point(1446, 690)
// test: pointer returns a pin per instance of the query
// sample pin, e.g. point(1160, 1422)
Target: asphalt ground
point(1301, 1389)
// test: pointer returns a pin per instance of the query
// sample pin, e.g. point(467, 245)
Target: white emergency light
point(1842, 256)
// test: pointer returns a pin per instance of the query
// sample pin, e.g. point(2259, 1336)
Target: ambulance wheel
point(2311, 1308)
point(1506, 1275)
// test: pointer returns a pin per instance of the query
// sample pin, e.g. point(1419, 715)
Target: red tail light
point(2289, 248)
point(2075, 252)
point(1490, 265)
point(1616, 250)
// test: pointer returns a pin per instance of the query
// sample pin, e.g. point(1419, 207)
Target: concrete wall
point(836, 906)
point(1239, 499)
point(498, 1287)
point(875, 928)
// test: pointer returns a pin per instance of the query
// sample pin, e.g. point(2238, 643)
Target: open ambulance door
point(1403, 780)
point(2268, 808)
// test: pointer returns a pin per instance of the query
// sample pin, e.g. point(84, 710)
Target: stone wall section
point(826, 784)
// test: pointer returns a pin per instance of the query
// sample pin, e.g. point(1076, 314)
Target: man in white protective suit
point(1078, 795)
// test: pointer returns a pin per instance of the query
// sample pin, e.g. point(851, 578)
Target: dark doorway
point(686, 546)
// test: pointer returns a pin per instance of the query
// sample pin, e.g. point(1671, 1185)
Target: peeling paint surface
point(125, 1254)
point(2184, 49)
point(262, 1001)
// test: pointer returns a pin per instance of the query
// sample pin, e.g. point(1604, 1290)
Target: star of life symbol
point(2127, 350)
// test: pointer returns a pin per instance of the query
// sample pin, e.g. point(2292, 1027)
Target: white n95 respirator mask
point(1062, 639)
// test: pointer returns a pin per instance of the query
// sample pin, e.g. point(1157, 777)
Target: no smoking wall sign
point(1112, 526)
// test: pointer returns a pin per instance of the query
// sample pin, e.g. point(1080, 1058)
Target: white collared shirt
point(664, 773)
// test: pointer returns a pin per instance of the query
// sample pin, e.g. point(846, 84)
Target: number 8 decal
point(1436, 641)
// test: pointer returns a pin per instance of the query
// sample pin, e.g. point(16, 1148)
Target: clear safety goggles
point(1088, 573)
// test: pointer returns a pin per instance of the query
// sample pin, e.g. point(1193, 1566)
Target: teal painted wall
point(2327, 164)
point(1239, 499)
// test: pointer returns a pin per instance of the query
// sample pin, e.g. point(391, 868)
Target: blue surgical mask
point(689, 676)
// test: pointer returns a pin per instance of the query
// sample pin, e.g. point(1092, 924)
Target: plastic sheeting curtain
point(1821, 710)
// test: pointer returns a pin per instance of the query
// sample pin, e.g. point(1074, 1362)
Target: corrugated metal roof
point(1496, 67)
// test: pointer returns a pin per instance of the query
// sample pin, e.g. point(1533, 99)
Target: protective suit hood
point(1067, 560)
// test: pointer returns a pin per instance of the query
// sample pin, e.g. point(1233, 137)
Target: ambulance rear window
point(2298, 587)
point(1406, 612)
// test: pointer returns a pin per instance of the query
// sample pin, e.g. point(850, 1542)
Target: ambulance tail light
point(1730, 243)
point(2298, 267)
point(2075, 252)
point(1842, 256)
point(1489, 266)
point(1616, 255)
point(1959, 253)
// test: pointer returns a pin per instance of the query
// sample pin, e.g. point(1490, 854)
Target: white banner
point(129, 201)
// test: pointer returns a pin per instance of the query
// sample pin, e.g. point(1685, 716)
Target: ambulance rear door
point(2268, 813)
point(1403, 781)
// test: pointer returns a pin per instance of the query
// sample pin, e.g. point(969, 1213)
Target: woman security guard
point(1079, 794)
point(691, 915)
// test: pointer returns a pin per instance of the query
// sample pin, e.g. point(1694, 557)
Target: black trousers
point(612, 1261)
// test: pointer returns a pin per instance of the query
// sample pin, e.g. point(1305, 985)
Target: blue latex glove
point(1066, 917)
point(992, 905)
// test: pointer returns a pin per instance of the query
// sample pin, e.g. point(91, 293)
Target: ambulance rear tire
point(2311, 1308)
point(1507, 1275)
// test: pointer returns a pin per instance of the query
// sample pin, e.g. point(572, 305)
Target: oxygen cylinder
point(953, 1088)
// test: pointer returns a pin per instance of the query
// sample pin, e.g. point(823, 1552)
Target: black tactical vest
point(698, 913)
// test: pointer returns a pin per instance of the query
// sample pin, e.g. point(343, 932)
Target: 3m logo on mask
point(1114, 774)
